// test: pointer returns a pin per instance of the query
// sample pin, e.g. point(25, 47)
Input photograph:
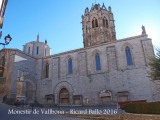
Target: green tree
point(155, 65)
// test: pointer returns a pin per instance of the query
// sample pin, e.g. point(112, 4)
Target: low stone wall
point(130, 116)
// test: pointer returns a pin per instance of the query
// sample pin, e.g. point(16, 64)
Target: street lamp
point(7, 40)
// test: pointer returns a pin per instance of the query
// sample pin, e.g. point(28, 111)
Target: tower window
point(105, 22)
point(47, 71)
point(94, 23)
point(98, 63)
point(70, 67)
point(128, 56)
point(37, 50)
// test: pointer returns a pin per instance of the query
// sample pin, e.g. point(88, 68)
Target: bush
point(143, 108)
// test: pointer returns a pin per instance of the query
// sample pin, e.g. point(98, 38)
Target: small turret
point(45, 41)
point(38, 37)
point(109, 9)
point(143, 30)
point(86, 10)
point(104, 7)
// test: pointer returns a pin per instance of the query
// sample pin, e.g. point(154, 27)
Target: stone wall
point(23, 64)
point(5, 84)
point(115, 75)
point(17, 64)
point(85, 80)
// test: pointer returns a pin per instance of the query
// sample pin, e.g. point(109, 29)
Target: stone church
point(104, 71)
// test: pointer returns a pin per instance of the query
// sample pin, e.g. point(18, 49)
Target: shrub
point(143, 108)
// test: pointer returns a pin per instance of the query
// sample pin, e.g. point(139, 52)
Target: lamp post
point(7, 40)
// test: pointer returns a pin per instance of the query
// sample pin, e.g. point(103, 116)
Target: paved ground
point(12, 113)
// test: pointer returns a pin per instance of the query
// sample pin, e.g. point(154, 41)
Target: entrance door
point(64, 97)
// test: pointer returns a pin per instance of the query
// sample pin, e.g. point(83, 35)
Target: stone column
point(21, 88)
point(71, 98)
point(56, 99)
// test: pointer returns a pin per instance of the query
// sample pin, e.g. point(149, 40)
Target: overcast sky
point(59, 21)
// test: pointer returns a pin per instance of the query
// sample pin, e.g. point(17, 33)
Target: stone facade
point(100, 73)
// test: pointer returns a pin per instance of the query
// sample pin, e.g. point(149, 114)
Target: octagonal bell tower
point(98, 25)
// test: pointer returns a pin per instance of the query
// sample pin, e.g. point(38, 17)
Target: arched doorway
point(64, 97)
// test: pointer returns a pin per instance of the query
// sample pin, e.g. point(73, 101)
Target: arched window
point(70, 69)
point(98, 63)
point(128, 56)
point(105, 22)
point(94, 23)
point(37, 50)
point(47, 70)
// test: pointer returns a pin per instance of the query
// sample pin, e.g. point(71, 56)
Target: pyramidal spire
point(38, 37)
